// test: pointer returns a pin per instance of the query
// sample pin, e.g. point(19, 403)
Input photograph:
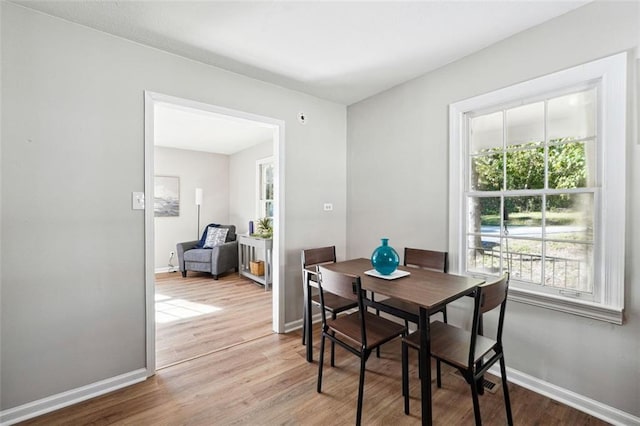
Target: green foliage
point(525, 169)
point(487, 171)
point(567, 168)
point(264, 228)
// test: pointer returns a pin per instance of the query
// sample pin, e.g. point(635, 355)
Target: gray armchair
point(214, 260)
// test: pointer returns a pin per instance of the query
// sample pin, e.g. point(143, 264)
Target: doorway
point(277, 128)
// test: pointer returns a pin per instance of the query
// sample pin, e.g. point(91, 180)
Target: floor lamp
point(198, 203)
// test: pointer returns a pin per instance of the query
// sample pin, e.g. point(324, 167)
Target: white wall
point(242, 180)
point(397, 187)
point(195, 170)
point(73, 290)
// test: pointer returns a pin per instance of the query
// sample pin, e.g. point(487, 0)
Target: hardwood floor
point(197, 314)
point(267, 381)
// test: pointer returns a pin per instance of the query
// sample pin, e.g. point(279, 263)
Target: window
point(538, 187)
point(264, 174)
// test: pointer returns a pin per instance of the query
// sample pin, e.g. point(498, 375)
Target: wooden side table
point(248, 247)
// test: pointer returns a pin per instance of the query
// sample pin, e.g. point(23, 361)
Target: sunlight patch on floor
point(169, 309)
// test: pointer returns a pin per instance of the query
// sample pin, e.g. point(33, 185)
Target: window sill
point(576, 307)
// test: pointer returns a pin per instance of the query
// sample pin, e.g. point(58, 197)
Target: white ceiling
point(337, 50)
point(187, 128)
point(343, 51)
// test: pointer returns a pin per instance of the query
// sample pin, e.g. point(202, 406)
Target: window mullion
point(503, 206)
point(545, 133)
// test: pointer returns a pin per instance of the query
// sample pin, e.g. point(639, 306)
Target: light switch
point(137, 200)
point(328, 207)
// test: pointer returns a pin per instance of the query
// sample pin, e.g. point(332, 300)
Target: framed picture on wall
point(166, 196)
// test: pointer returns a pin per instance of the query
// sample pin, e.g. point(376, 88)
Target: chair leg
point(184, 274)
point(377, 348)
point(333, 346)
point(405, 376)
point(444, 314)
point(363, 360)
point(505, 391)
point(304, 324)
point(480, 380)
point(476, 402)
point(378, 314)
point(320, 362)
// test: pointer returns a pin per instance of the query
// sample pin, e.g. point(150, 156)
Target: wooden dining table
point(430, 290)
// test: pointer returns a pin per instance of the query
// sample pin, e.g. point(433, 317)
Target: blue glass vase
point(385, 259)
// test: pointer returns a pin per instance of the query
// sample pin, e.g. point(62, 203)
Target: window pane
point(486, 133)
point(523, 216)
point(269, 191)
point(525, 125)
point(524, 259)
point(567, 266)
point(484, 215)
point(269, 209)
point(572, 165)
point(572, 116)
point(268, 174)
point(525, 169)
point(487, 172)
point(484, 248)
point(570, 217)
point(266, 181)
point(483, 254)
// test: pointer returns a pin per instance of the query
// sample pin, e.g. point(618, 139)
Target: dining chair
point(426, 259)
point(333, 304)
point(466, 350)
point(359, 332)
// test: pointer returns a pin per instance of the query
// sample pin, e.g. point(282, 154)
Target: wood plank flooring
point(197, 314)
point(267, 381)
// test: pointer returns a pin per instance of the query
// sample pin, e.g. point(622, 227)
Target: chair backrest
point(493, 294)
point(488, 297)
point(429, 259)
point(231, 234)
point(343, 285)
point(318, 256)
point(337, 283)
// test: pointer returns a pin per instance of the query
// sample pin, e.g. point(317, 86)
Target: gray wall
point(397, 187)
point(72, 296)
point(196, 170)
point(242, 182)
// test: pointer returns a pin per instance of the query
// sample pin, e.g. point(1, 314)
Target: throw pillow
point(215, 237)
point(204, 235)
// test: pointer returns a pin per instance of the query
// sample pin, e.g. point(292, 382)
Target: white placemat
point(392, 276)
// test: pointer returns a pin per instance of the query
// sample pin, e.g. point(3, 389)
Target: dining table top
point(426, 288)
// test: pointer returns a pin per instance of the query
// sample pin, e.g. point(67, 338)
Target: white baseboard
point(297, 324)
point(292, 326)
point(166, 269)
point(73, 396)
point(579, 402)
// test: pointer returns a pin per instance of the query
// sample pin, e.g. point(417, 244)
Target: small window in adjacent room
point(264, 181)
point(538, 188)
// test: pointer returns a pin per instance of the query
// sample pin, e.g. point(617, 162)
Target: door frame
point(150, 100)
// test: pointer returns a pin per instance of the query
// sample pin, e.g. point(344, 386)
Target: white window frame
point(610, 73)
point(260, 212)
